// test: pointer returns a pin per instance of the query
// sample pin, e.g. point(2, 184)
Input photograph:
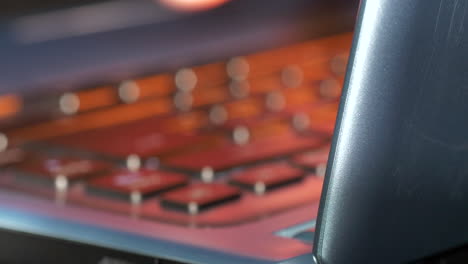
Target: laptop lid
point(397, 181)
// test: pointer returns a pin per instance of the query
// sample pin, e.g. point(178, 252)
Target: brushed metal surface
point(397, 185)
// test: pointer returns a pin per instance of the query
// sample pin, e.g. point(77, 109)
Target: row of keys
point(199, 197)
point(231, 155)
point(156, 136)
point(188, 98)
point(175, 190)
point(238, 70)
point(264, 178)
point(278, 101)
point(168, 90)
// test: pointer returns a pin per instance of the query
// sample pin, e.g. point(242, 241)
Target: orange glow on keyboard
point(212, 145)
point(93, 120)
point(10, 104)
point(228, 93)
point(154, 86)
point(97, 98)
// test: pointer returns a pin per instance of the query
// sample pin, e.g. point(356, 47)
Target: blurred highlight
point(193, 5)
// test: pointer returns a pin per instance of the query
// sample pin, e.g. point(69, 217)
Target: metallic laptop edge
point(395, 189)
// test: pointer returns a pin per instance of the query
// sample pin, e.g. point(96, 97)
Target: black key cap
point(266, 177)
point(136, 186)
point(198, 197)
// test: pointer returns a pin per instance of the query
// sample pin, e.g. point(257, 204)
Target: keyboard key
point(311, 159)
point(323, 118)
point(86, 100)
point(72, 168)
point(230, 155)
point(157, 85)
point(96, 98)
point(218, 115)
point(239, 89)
point(263, 178)
point(184, 122)
point(65, 168)
point(338, 64)
point(203, 97)
point(93, 120)
point(319, 118)
point(198, 197)
point(260, 127)
point(124, 143)
point(12, 156)
point(317, 69)
point(255, 121)
point(244, 108)
point(185, 80)
point(152, 136)
point(210, 75)
point(264, 84)
point(315, 160)
point(300, 96)
point(136, 185)
point(330, 89)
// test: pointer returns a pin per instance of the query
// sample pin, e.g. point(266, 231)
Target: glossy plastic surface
point(397, 189)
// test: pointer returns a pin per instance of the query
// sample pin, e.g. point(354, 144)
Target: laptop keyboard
point(211, 145)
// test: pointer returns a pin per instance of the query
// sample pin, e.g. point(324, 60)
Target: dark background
point(17, 7)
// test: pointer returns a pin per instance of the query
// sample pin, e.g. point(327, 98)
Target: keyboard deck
point(202, 146)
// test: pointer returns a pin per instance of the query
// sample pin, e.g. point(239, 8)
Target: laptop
point(135, 133)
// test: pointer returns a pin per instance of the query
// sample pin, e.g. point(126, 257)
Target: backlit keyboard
point(208, 145)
